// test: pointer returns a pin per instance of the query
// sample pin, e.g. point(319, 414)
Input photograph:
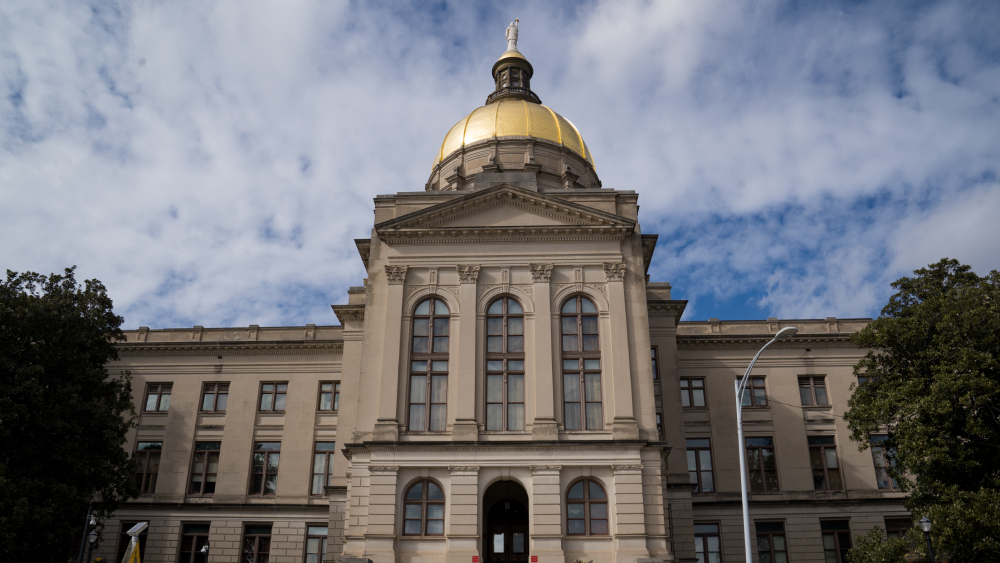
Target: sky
point(211, 162)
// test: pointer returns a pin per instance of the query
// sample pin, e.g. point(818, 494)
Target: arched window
point(581, 356)
point(504, 365)
point(429, 367)
point(423, 509)
point(586, 509)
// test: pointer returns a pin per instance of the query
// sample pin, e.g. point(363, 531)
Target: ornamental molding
point(364, 249)
point(545, 469)
point(245, 349)
point(628, 468)
point(467, 273)
point(452, 289)
point(383, 469)
point(346, 313)
point(464, 469)
point(614, 270)
point(602, 287)
point(395, 275)
point(487, 292)
point(540, 272)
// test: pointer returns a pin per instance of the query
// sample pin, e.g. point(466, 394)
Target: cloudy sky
point(211, 162)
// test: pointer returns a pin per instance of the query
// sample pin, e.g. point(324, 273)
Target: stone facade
point(402, 425)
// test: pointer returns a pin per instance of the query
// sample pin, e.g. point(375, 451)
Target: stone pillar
point(463, 374)
point(380, 538)
point(336, 522)
point(624, 426)
point(463, 514)
point(386, 426)
point(544, 426)
point(546, 513)
point(630, 522)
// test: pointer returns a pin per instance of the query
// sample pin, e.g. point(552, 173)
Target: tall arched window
point(429, 367)
point(423, 509)
point(581, 357)
point(586, 509)
point(504, 365)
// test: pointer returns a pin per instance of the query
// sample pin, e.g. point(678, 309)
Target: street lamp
point(204, 549)
point(91, 537)
point(925, 527)
point(741, 385)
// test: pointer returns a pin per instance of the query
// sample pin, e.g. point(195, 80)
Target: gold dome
point(512, 117)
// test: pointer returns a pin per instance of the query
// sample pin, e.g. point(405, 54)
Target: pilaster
point(381, 533)
point(544, 426)
point(463, 517)
point(624, 426)
point(386, 426)
point(546, 513)
point(463, 375)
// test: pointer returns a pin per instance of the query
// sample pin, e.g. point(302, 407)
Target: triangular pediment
point(507, 211)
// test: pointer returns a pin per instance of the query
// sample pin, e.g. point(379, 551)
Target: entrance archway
point(505, 504)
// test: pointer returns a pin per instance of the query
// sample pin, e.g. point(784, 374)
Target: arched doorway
point(505, 504)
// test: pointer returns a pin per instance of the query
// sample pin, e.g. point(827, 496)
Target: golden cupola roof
point(513, 110)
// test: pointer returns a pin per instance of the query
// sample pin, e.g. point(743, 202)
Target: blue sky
point(212, 162)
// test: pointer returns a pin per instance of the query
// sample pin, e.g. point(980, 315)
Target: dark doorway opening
point(506, 506)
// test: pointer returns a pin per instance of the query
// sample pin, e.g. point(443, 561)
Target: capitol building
point(506, 385)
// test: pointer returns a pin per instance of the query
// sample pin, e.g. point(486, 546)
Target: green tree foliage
point(935, 390)
point(876, 548)
point(63, 420)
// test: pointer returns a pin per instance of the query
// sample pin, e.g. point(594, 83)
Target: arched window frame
point(430, 510)
point(427, 386)
point(589, 510)
point(583, 388)
point(505, 365)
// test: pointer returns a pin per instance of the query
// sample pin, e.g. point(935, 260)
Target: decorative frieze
point(383, 469)
point(468, 273)
point(614, 270)
point(540, 272)
point(464, 469)
point(395, 274)
point(545, 469)
point(628, 468)
point(602, 287)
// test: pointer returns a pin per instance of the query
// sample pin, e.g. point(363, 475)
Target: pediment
point(506, 211)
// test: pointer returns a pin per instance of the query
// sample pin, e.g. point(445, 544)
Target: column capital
point(540, 272)
point(396, 275)
point(467, 273)
point(614, 270)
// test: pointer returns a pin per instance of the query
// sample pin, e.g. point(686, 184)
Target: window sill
point(441, 537)
point(322, 412)
point(274, 413)
point(155, 413)
point(696, 409)
point(212, 413)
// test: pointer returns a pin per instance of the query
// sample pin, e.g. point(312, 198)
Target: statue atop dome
point(511, 36)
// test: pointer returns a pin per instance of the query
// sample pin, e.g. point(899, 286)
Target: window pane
point(498, 543)
point(707, 484)
point(439, 365)
point(589, 325)
point(515, 388)
point(494, 388)
point(591, 364)
point(593, 386)
point(697, 442)
point(821, 396)
point(515, 326)
point(594, 416)
point(576, 527)
point(515, 417)
point(412, 527)
point(494, 416)
point(418, 366)
point(699, 397)
point(831, 458)
point(206, 403)
point(569, 325)
point(494, 327)
point(434, 492)
point(598, 510)
point(515, 365)
point(494, 344)
point(686, 399)
point(513, 308)
point(441, 327)
point(317, 485)
point(325, 401)
point(416, 492)
point(435, 511)
point(151, 402)
point(420, 327)
point(590, 343)
point(805, 394)
point(419, 344)
point(438, 417)
point(220, 403)
point(518, 542)
point(598, 526)
point(574, 510)
point(595, 491)
point(515, 344)
point(435, 526)
point(494, 365)
point(439, 386)
point(569, 306)
point(692, 460)
point(759, 397)
point(279, 402)
point(418, 389)
point(424, 308)
point(588, 306)
point(440, 343)
point(835, 479)
point(571, 364)
point(706, 461)
point(576, 491)
point(571, 387)
point(768, 456)
point(319, 463)
point(496, 308)
point(572, 416)
point(771, 480)
point(417, 418)
point(440, 308)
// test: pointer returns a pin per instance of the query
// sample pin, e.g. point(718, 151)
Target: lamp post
point(91, 537)
point(204, 552)
point(741, 385)
point(925, 527)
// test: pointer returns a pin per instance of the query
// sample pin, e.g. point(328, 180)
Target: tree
point(934, 388)
point(63, 419)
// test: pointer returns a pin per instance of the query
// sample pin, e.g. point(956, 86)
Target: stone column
point(387, 426)
point(546, 513)
point(544, 426)
point(380, 537)
point(463, 374)
point(630, 522)
point(463, 514)
point(624, 426)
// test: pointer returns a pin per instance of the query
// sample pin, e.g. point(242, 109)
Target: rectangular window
point(193, 538)
point(863, 379)
point(147, 459)
point(329, 396)
point(897, 527)
point(656, 368)
point(322, 466)
point(761, 465)
point(582, 394)
point(256, 543)
point(204, 468)
point(754, 395)
point(157, 397)
point(214, 397)
point(699, 454)
point(428, 395)
point(823, 456)
point(771, 547)
point(883, 461)
point(707, 543)
point(124, 540)
point(659, 426)
point(316, 543)
point(272, 396)
point(692, 392)
point(836, 540)
point(264, 480)
point(812, 390)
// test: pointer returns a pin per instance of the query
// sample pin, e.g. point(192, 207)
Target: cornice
point(842, 339)
point(648, 247)
point(347, 313)
point(232, 348)
point(505, 446)
point(666, 308)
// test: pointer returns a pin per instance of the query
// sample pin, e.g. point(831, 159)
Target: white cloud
point(211, 163)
